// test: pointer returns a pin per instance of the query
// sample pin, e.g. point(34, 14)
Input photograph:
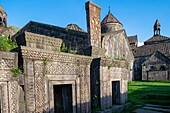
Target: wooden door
point(115, 92)
point(63, 98)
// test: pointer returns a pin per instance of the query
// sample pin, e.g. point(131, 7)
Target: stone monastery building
point(152, 60)
point(57, 82)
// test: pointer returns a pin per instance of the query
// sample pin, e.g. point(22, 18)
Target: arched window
point(162, 67)
point(152, 68)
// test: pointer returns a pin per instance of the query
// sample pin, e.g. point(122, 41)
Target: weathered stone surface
point(3, 18)
point(153, 54)
point(93, 24)
point(29, 85)
point(110, 24)
point(103, 73)
point(4, 97)
point(10, 92)
point(118, 47)
point(156, 67)
point(74, 40)
point(42, 41)
point(94, 79)
point(74, 66)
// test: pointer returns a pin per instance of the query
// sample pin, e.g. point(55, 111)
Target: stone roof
point(147, 50)
point(74, 27)
point(132, 39)
point(2, 10)
point(110, 19)
point(159, 56)
point(156, 39)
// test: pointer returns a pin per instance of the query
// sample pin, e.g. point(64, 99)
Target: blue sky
point(137, 16)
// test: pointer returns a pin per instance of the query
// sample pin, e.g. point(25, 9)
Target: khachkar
point(94, 29)
point(93, 24)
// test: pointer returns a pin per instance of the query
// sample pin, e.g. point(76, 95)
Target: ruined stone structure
point(4, 29)
point(95, 77)
point(152, 59)
point(3, 18)
point(11, 93)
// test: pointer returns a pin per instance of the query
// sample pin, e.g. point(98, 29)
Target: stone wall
point(117, 47)
point(11, 94)
point(155, 75)
point(111, 27)
point(74, 40)
point(153, 71)
point(103, 73)
point(138, 68)
point(44, 69)
point(156, 67)
point(45, 66)
point(39, 41)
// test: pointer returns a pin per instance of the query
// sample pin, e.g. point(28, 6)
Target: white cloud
point(140, 44)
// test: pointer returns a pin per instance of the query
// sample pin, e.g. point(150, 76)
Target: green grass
point(149, 92)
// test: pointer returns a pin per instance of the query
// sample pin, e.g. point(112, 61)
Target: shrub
point(6, 44)
point(72, 51)
point(63, 47)
point(16, 72)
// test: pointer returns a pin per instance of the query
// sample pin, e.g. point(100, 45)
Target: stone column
point(29, 85)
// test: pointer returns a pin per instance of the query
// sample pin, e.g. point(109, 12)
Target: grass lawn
point(149, 92)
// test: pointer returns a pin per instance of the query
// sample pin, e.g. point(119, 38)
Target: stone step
point(159, 106)
point(139, 110)
point(157, 109)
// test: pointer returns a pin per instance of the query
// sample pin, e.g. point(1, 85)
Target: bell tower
point(157, 28)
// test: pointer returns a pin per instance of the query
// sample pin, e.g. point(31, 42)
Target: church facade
point(152, 59)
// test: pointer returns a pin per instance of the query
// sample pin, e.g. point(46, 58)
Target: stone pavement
point(151, 108)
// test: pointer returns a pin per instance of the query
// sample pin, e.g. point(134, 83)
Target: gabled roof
point(159, 57)
point(156, 38)
point(147, 50)
point(74, 27)
point(110, 19)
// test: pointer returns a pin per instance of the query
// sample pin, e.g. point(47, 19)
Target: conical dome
point(110, 24)
point(109, 19)
point(74, 27)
